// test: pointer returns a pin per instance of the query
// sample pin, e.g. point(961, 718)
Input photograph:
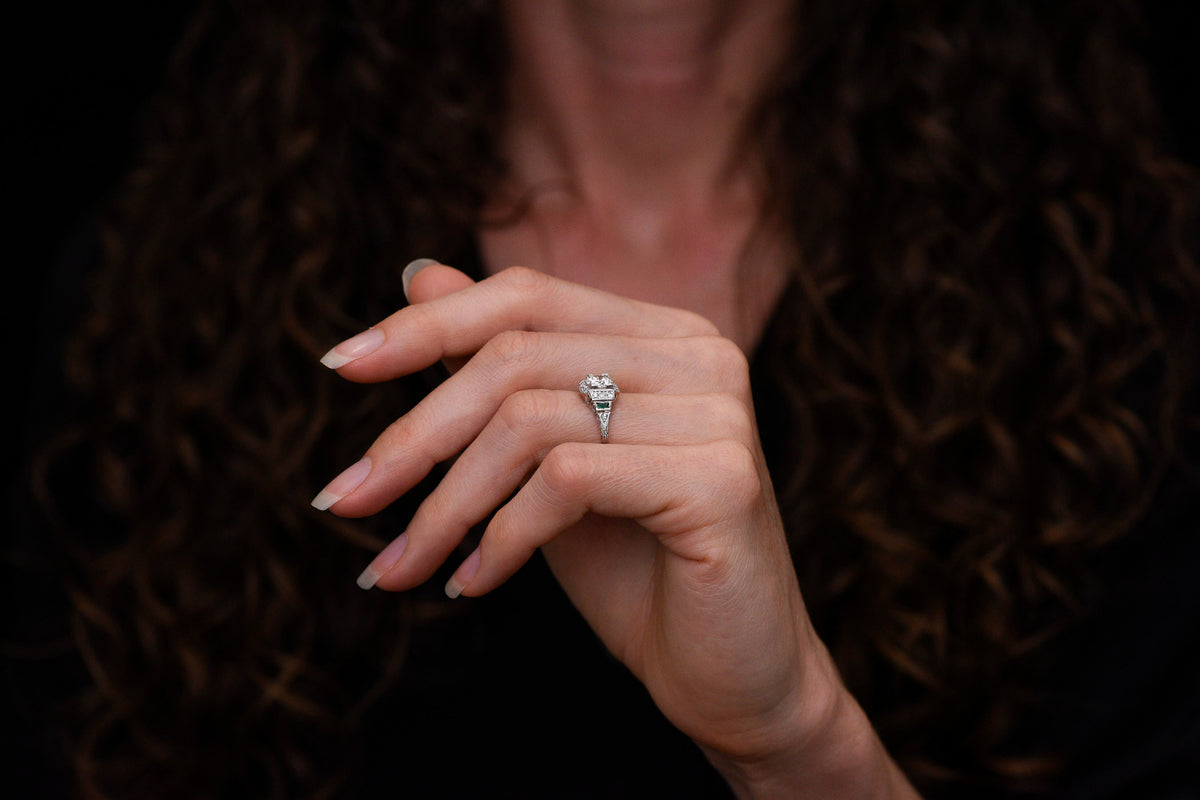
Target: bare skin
point(668, 538)
point(630, 118)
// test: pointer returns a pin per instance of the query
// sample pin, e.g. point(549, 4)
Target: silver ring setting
point(600, 391)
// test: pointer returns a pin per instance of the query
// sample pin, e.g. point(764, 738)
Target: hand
point(667, 538)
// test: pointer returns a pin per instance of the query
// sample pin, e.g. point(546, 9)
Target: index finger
point(456, 325)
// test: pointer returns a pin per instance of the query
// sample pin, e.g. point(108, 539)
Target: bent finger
point(528, 426)
point(456, 325)
point(686, 497)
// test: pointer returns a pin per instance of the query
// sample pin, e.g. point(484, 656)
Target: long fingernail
point(463, 575)
point(343, 484)
point(412, 269)
point(386, 559)
point(353, 348)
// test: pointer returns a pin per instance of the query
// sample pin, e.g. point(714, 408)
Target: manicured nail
point(343, 484)
point(386, 559)
point(353, 348)
point(463, 575)
point(412, 269)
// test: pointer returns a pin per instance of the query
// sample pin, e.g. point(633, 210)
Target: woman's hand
point(667, 537)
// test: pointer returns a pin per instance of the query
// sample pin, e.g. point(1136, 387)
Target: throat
point(653, 97)
point(724, 266)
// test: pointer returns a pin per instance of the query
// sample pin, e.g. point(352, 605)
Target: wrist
point(830, 751)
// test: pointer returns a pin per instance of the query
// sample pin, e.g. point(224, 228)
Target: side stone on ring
point(600, 392)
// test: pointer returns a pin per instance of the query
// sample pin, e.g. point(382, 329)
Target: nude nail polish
point(386, 559)
point(350, 479)
point(412, 269)
point(463, 576)
point(353, 348)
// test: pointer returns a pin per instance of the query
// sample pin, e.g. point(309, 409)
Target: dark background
point(79, 74)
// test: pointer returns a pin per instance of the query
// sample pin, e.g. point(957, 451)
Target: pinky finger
point(682, 495)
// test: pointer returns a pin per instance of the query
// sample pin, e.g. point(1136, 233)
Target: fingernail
point(353, 348)
point(386, 559)
point(463, 575)
point(343, 484)
point(412, 269)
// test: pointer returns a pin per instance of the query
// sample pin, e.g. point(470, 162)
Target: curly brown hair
point(981, 359)
point(996, 331)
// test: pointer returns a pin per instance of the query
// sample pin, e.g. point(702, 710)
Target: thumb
point(426, 279)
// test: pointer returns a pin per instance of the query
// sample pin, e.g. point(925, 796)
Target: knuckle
point(524, 280)
point(440, 510)
point(529, 409)
point(566, 469)
point(737, 471)
point(727, 365)
point(499, 534)
point(397, 443)
point(396, 433)
point(694, 324)
point(511, 348)
point(735, 417)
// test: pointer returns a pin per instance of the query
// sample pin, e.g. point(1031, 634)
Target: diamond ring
point(600, 391)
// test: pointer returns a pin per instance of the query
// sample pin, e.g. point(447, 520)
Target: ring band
point(600, 392)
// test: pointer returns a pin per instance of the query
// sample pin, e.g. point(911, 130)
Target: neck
point(638, 110)
point(637, 103)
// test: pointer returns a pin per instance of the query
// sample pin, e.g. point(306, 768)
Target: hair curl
point(984, 358)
